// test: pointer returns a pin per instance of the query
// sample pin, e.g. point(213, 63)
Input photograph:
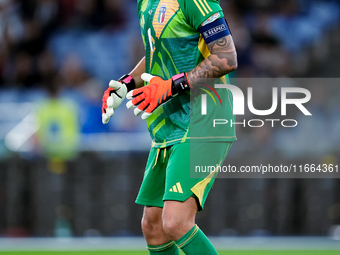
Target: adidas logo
point(176, 188)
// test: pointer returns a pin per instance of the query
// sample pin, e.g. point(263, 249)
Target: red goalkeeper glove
point(148, 98)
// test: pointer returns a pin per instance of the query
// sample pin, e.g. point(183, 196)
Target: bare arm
point(223, 60)
point(137, 72)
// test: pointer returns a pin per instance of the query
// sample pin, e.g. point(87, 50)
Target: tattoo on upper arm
point(222, 42)
point(221, 61)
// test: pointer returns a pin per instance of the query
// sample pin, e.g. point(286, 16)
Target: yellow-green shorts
point(169, 173)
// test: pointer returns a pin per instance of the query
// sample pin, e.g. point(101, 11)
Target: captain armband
point(214, 31)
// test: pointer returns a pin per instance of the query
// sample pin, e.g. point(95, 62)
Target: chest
point(155, 15)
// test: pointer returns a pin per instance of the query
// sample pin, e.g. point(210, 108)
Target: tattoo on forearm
point(221, 61)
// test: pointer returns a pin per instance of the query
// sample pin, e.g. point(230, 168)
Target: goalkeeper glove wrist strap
point(128, 81)
point(180, 84)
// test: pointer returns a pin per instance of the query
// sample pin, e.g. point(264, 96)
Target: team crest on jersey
point(161, 17)
point(165, 10)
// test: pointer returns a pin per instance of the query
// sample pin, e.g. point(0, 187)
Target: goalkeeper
point(186, 42)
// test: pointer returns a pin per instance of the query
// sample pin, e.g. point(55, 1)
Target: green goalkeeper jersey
point(173, 45)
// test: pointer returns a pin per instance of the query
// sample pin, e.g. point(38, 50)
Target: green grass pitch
point(257, 252)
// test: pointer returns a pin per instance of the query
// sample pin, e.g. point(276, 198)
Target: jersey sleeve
point(141, 7)
point(198, 11)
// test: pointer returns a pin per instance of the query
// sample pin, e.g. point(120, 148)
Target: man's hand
point(159, 91)
point(148, 98)
point(115, 95)
point(112, 98)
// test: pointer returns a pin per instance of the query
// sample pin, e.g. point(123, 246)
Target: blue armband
point(214, 30)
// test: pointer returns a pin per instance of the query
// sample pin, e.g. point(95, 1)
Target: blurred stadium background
point(64, 174)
